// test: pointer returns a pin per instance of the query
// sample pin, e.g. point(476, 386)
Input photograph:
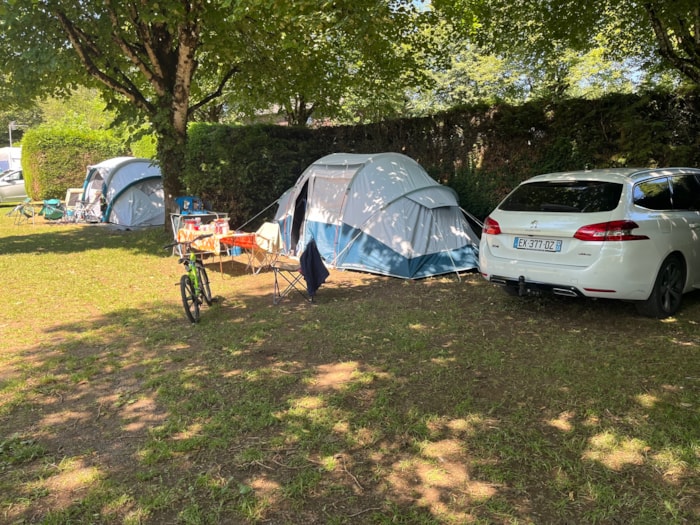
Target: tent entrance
point(299, 215)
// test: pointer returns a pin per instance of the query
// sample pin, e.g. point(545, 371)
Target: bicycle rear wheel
point(189, 299)
point(204, 287)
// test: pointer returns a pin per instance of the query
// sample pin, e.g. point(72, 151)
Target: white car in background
point(12, 186)
point(631, 234)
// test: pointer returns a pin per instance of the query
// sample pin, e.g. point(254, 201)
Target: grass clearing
point(440, 401)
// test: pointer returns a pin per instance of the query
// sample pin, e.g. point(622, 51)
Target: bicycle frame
point(194, 284)
point(190, 261)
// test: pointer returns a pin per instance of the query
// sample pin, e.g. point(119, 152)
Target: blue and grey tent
point(127, 191)
point(379, 213)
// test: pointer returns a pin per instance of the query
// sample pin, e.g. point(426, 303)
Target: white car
point(12, 186)
point(631, 234)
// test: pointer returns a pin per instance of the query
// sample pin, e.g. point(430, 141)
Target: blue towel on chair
point(312, 268)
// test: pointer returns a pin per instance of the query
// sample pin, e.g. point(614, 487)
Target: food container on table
point(192, 224)
point(221, 226)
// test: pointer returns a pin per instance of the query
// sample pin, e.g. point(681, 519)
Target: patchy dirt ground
point(387, 401)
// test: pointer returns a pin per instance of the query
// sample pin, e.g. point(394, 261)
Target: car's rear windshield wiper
point(546, 206)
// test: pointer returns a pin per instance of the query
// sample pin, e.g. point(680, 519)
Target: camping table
point(216, 244)
point(245, 241)
point(177, 221)
point(210, 244)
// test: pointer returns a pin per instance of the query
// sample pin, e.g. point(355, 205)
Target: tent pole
point(258, 215)
point(347, 246)
point(477, 221)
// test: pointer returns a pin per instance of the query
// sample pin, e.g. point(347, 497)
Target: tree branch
point(148, 38)
point(687, 66)
point(85, 50)
point(214, 94)
point(686, 40)
point(132, 54)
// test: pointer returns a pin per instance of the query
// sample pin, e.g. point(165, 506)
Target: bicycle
point(194, 284)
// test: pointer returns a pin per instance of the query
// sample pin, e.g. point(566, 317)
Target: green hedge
point(55, 158)
point(243, 170)
point(482, 152)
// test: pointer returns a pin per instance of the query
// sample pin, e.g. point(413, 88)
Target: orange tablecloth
point(257, 258)
point(251, 243)
point(242, 240)
point(246, 241)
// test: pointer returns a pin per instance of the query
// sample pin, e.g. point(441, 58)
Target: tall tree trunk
point(171, 156)
point(172, 149)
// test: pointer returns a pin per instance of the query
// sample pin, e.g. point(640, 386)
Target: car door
point(686, 221)
point(12, 186)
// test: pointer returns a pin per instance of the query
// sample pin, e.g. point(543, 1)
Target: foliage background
point(481, 151)
point(55, 158)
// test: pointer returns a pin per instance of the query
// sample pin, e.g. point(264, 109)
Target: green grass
point(441, 401)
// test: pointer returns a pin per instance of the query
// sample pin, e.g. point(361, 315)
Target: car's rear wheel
point(667, 294)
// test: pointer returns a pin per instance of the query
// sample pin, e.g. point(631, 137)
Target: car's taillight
point(609, 231)
point(491, 227)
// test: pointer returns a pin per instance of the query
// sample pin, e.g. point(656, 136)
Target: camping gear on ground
point(23, 212)
point(190, 204)
point(132, 190)
point(379, 213)
point(78, 210)
point(52, 209)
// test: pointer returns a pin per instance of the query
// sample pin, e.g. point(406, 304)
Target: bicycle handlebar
point(203, 236)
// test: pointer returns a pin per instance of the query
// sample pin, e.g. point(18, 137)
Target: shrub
point(55, 158)
point(243, 170)
point(145, 147)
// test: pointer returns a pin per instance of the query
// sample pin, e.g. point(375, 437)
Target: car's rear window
point(564, 196)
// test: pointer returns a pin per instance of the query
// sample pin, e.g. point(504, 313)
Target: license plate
point(535, 244)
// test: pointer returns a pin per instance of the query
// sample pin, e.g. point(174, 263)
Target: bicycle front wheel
point(204, 287)
point(189, 299)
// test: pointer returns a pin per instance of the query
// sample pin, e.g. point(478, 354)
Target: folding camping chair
point(266, 250)
point(289, 274)
point(310, 268)
point(52, 210)
point(23, 212)
point(88, 211)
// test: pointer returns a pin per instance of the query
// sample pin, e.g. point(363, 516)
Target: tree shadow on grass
point(75, 239)
point(434, 401)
